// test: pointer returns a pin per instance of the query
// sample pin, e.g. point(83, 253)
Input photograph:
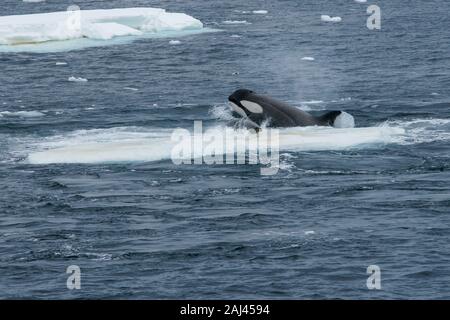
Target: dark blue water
point(153, 229)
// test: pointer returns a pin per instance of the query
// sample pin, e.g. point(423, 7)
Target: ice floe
point(26, 32)
point(236, 22)
point(327, 18)
point(260, 11)
point(174, 42)
point(75, 79)
point(23, 114)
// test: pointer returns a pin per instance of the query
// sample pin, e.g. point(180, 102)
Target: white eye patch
point(252, 106)
point(237, 109)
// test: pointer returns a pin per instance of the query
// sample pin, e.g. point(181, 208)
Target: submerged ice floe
point(25, 32)
point(130, 144)
point(138, 144)
point(327, 18)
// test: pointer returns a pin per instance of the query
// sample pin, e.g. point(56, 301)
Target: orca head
point(239, 95)
point(237, 101)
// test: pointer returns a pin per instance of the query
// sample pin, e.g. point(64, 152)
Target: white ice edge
point(68, 30)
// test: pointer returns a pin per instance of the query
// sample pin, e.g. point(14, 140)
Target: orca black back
point(259, 109)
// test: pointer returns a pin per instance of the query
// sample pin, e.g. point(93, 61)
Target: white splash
point(313, 102)
point(344, 120)
point(421, 130)
point(308, 59)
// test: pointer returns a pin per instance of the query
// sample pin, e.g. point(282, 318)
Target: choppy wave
point(421, 130)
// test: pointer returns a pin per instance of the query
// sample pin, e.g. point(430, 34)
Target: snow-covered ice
point(108, 30)
point(33, 29)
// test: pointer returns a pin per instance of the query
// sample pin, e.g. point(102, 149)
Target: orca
point(256, 109)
